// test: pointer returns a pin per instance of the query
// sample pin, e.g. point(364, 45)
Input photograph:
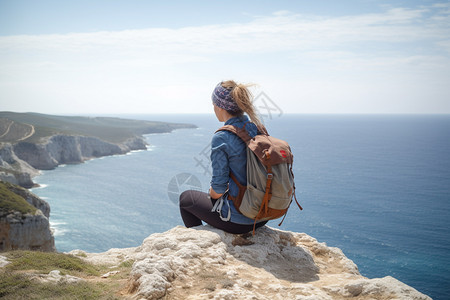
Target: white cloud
point(174, 65)
point(278, 32)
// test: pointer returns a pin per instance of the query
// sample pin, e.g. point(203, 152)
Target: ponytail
point(244, 99)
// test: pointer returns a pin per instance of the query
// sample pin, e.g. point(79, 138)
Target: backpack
point(270, 179)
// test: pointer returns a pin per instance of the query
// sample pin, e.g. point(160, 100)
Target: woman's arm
point(220, 167)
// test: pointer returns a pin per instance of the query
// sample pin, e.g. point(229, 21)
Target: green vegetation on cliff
point(48, 261)
point(31, 127)
point(20, 279)
point(11, 202)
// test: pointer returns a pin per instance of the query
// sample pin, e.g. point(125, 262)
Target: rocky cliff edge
point(206, 263)
point(24, 220)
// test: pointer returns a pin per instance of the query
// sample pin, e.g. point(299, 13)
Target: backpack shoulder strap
point(240, 132)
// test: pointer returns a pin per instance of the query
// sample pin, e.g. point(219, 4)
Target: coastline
point(32, 142)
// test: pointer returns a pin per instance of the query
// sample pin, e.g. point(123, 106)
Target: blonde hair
point(243, 98)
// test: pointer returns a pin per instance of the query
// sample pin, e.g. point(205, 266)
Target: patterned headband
point(222, 98)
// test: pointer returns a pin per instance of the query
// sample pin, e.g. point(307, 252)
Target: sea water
point(376, 186)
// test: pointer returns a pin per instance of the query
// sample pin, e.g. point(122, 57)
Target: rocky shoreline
point(30, 142)
point(22, 161)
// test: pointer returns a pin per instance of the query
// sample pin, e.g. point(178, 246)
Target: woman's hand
point(213, 194)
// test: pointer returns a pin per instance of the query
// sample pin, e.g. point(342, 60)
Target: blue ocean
point(376, 186)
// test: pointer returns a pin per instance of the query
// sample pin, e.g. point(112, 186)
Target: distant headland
point(30, 141)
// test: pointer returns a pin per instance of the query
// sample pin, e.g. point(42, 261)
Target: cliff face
point(21, 161)
point(13, 169)
point(22, 227)
point(65, 149)
point(206, 263)
point(26, 232)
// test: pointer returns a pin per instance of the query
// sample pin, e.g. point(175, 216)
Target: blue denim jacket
point(228, 152)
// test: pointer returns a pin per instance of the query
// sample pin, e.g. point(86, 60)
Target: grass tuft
point(48, 261)
point(127, 264)
point(11, 202)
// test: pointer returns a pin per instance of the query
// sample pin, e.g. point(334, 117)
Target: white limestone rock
point(112, 257)
point(56, 278)
point(206, 263)
point(3, 261)
point(111, 273)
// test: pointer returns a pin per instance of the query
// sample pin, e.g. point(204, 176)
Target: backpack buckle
point(269, 175)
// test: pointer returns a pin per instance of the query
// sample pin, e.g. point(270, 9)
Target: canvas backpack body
point(270, 180)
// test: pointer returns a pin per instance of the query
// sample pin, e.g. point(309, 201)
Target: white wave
point(57, 229)
point(326, 225)
point(156, 133)
point(56, 223)
point(41, 186)
point(134, 151)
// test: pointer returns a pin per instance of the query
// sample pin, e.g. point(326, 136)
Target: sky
point(147, 57)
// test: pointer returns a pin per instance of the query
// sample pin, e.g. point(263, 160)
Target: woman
point(228, 156)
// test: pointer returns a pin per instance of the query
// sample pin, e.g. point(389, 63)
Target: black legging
point(195, 207)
